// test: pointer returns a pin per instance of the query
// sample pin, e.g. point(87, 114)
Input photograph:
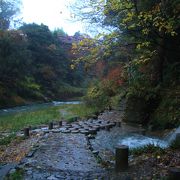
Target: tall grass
point(18, 121)
point(15, 122)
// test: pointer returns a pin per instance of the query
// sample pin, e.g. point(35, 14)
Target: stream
point(126, 134)
point(35, 106)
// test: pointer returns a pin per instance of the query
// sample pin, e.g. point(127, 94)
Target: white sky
point(53, 13)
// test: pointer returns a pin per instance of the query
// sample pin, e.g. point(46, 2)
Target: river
point(33, 107)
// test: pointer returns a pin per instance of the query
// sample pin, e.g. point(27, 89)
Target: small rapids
point(130, 137)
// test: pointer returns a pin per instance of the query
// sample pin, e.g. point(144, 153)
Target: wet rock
point(75, 131)
point(4, 170)
point(95, 152)
point(52, 178)
point(31, 153)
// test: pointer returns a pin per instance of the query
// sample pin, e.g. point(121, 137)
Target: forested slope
point(35, 66)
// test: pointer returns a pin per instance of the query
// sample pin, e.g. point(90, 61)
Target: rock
point(66, 131)
point(4, 170)
point(52, 178)
point(95, 152)
point(75, 131)
point(84, 132)
point(31, 153)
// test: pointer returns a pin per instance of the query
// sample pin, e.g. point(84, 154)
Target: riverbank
point(147, 164)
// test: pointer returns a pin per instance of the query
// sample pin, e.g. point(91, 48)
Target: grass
point(15, 122)
point(6, 140)
point(81, 110)
point(150, 148)
point(18, 121)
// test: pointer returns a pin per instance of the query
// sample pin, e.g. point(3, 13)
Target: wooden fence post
point(121, 158)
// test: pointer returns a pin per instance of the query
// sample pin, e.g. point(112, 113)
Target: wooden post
point(121, 158)
point(178, 138)
point(174, 173)
point(107, 128)
point(26, 132)
point(51, 125)
point(60, 123)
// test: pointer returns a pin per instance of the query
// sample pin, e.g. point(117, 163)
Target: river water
point(124, 135)
point(33, 107)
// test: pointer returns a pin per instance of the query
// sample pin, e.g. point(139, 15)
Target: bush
point(175, 144)
point(167, 113)
point(150, 148)
point(96, 97)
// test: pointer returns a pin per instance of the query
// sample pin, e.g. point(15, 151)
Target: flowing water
point(36, 106)
point(127, 135)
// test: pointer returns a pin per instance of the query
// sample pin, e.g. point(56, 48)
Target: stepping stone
point(56, 131)
point(62, 129)
point(84, 132)
point(93, 131)
point(111, 125)
point(95, 152)
point(90, 136)
point(75, 131)
point(102, 126)
point(46, 131)
point(66, 131)
point(96, 127)
point(86, 128)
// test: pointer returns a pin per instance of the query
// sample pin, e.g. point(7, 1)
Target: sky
point(53, 13)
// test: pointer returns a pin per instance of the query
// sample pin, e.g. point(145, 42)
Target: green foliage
point(18, 121)
point(167, 113)
point(35, 65)
point(82, 110)
point(72, 119)
point(6, 140)
point(96, 97)
point(147, 149)
point(175, 144)
point(8, 11)
point(17, 175)
point(145, 37)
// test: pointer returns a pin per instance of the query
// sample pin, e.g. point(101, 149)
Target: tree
point(8, 12)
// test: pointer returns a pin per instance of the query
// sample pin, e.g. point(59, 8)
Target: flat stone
point(31, 153)
point(62, 129)
point(84, 132)
point(52, 178)
point(95, 152)
point(75, 131)
point(102, 126)
point(56, 131)
point(92, 131)
point(46, 131)
point(66, 131)
point(4, 170)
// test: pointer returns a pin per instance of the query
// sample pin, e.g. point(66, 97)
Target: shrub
point(167, 114)
point(150, 148)
point(96, 97)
